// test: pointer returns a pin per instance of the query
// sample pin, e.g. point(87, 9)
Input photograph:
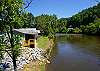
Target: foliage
point(28, 20)
point(11, 16)
point(85, 16)
point(85, 22)
point(46, 24)
point(62, 25)
point(76, 30)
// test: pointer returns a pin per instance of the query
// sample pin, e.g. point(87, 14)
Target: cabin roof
point(27, 30)
point(70, 28)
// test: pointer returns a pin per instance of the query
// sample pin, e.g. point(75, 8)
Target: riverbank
point(61, 34)
point(44, 43)
point(67, 34)
point(31, 59)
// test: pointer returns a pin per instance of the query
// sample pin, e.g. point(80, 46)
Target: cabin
point(30, 36)
point(70, 27)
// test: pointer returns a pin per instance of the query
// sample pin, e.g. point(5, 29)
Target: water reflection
point(75, 53)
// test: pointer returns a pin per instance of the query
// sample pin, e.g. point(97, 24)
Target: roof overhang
point(27, 31)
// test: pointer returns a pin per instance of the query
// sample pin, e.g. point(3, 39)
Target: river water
point(75, 53)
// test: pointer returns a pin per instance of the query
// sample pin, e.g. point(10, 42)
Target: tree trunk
point(14, 63)
point(12, 48)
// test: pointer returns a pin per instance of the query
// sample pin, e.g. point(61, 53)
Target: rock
point(27, 55)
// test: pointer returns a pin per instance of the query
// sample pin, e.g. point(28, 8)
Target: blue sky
point(61, 8)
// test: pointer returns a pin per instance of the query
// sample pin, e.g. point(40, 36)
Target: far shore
point(68, 34)
point(59, 34)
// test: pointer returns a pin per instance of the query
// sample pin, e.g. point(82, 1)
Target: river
point(75, 53)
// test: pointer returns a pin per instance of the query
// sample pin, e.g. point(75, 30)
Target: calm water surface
point(75, 53)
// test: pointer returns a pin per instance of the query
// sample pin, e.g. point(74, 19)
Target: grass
point(42, 67)
point(43, 42)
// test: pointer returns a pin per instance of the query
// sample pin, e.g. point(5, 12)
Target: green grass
point(39, 67)
point(42, 67)
point(43, 42)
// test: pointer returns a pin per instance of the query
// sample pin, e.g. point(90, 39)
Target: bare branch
point(28, 4)
point(9, 54)
point(97, 1)
point(8, 51)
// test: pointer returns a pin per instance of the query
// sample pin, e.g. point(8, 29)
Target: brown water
point(75, 53)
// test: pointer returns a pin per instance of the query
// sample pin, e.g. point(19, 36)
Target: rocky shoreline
point(27, 55)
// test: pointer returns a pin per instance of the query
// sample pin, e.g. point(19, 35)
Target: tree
point(11, 15)
point(62, 25)
point(46, 24)
point(29, 21)
point(76, 30)
point(85, 17)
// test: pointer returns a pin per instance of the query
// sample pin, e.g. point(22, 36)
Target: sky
point(61, 8)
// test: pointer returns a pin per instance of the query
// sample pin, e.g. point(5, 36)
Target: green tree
point(45, 23)
point(90, 29)
point(62, 25)
point(85, 17)
point(29, 21)
point(82, 27)
point(76, 30)
point(11, 15)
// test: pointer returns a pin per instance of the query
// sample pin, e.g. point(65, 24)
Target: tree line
point(85, 22)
